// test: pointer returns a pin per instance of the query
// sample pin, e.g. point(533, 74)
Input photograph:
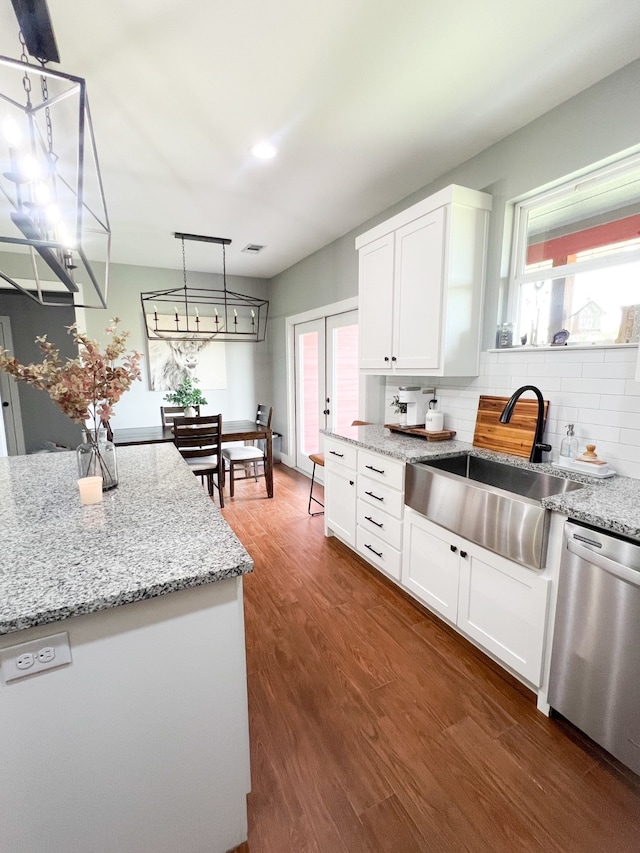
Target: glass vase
point(97, 458)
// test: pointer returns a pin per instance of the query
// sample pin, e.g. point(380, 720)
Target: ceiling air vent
point(253, 249)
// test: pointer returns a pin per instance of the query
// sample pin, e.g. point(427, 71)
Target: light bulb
point(31, 168)
point(43, 196)
point(53, 214)
point(64, 237)
point(11, 131)
point(264, 150)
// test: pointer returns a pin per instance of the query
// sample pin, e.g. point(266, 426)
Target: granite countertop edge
point(157, 533)
point(611, 504)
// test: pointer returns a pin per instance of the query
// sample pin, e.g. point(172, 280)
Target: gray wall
point(42, 421)
point(595, 125)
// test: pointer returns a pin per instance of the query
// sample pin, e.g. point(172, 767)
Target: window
point(576, 259)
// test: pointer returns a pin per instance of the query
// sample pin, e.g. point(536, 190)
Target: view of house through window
point(576, 260)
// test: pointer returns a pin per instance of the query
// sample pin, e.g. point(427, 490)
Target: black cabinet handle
point(4, 404)
point(453, 548)
point(377, 470)
point(377, 553)
point(393, 358)
point(377, 523)
point(371, 495)
point(351, 482)
point(386, 358)
point(335, 453)
point(463, 553)
point(326, 412)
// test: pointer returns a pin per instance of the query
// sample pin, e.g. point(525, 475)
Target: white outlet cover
point(48, 653)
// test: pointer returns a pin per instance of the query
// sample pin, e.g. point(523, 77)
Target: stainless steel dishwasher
point(595, 659)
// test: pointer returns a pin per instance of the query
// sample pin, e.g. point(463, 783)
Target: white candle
point(90, 490)
point(235, 313)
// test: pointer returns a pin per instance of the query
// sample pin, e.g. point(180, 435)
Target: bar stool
point(317, 459)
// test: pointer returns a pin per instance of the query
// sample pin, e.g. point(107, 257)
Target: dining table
point(231, 431)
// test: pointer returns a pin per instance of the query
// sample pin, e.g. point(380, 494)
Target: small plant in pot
point(187, 396)
point(399, 408)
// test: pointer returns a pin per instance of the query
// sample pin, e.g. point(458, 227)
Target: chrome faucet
point(505, 417)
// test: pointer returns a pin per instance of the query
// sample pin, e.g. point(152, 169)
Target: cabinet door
point(340, 503)
point(503, 607)
point(430, 568)
point(375, 279)
point(418, 293)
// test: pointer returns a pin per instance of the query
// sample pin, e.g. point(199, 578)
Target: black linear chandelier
point(198, 313)
point(52, 202)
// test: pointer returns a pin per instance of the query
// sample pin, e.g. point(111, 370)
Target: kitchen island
point(140, 741)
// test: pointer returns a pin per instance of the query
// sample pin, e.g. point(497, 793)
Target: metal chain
point(184, 266)
point(26, 82)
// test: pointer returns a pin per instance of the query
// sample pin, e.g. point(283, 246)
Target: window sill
point(571, 347)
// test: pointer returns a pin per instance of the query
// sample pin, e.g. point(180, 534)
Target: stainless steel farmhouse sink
point(491, 503)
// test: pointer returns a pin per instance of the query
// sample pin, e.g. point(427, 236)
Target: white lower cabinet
point(340, 490)
point(499, 604)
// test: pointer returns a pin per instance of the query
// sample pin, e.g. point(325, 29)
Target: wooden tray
point(441, 435)
point(517, 436)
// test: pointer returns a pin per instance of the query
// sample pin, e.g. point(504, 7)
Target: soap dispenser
point(569, 445)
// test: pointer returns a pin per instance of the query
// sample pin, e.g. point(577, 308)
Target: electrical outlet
point(35, 656)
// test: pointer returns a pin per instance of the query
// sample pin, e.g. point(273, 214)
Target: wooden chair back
point(170, 413)
point(198, 437)
point(264, 415)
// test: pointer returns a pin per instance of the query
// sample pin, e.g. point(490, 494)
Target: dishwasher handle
point(605, 563)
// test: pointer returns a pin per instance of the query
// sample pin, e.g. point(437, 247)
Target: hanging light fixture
point(199, 313)
point(52, 204)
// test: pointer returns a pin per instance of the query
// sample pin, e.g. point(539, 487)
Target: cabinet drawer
point(378, 552)
point(380, 523)
point(381, 496)
point(382, 469)
point(340, 453)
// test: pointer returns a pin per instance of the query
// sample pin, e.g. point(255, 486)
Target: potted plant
point(400, 409)
point(187, 396)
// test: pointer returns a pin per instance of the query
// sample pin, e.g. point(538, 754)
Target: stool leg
point(311, 497)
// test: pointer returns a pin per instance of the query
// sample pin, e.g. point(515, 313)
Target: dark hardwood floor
point(377, 729)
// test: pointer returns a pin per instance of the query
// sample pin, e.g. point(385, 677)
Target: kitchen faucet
point(505, 417)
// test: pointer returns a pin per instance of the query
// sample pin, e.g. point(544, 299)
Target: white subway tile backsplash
point(594, 389)
point(593, 386)
point(609, 370)
point(621, 354)
point(623, 404)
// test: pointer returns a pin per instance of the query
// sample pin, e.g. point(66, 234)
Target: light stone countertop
point(156, 533)
point(611, 504)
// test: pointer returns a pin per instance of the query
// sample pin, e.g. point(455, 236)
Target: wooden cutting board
point(440, 435)
point(515, 437)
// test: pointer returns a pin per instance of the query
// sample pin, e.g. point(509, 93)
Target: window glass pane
point(593, 218)
point(599, 306)
point(345, 393)
point(309, 387)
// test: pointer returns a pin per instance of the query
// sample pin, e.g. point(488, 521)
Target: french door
point(326, 366)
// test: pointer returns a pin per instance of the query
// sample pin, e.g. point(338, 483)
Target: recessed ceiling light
point(264, 150)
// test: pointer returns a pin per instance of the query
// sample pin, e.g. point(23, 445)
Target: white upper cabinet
point(421, 285)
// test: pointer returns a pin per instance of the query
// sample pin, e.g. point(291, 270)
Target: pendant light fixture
point(199, 313)
point(52, 206)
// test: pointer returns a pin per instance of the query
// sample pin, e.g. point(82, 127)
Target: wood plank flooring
point(375, 728)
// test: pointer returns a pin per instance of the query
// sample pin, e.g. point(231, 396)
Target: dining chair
point(249, 455)
point(170, 413)
point(198, 440)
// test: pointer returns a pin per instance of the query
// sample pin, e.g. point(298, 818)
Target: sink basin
point(491, 503)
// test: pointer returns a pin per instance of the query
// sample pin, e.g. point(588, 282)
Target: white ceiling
point(368, 101)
